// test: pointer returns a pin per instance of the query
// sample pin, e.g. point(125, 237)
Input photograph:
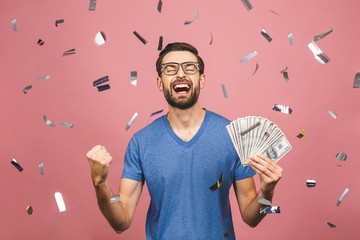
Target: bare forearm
point(114, 212)
point(252, 214)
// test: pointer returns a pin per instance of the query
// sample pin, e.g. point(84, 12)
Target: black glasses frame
point(180, 64)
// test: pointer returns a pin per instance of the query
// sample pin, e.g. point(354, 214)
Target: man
point(180, 156)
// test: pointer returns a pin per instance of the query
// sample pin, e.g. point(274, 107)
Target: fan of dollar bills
point(257, 135)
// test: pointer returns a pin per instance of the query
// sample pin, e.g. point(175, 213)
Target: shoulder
point(216, 118)
point(150, 130)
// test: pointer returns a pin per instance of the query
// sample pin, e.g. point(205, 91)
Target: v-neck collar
point(194, 138)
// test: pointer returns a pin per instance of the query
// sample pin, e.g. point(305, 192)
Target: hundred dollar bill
point(278, 149)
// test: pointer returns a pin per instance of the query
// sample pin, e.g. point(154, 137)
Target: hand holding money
point(99, 160)
point(269, 173)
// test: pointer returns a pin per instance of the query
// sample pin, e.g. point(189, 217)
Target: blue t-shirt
point(179, 175)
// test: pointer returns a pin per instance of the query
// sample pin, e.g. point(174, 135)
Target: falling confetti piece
point(133, 78)
point(101, 80)
point(256, 68)
point(48, 122)
point(285, 74)
point(100, 38)
point(265, 35)
point(115, 198)
point(302, 133)
point(160, 43)
point(281, 108)
point(13, 21)
point(58, 21)
point(320, 36)
point(265, 210)
point(211, 39)
point(332, 114)
point(274, 12)
point(29, 210)
point(357, 80)
point(331, 225)
point(250, 129)
point(47, 77)
point(224, 90)
point(26, 89)
point(159, 6)
point(103, 87)
point(15, 163)
point(92, 5)
point(41, 166)
point(60, 202)
point(247, 4)
point(40, 42)
point(154, 113)
point(341, 156)
point(196, 15)
point(131, 121)
point(318, 54)
point(140, 37)
point(342, 197)
point(69, 52)
point(66, 124)
point(264, 201)
point(291, 40)
point(248, 57)
point(218, 183)
point(310, 183)
point(227, 234)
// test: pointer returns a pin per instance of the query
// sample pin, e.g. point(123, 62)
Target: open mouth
point(182, 88)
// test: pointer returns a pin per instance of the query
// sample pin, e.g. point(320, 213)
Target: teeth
point(181, 86)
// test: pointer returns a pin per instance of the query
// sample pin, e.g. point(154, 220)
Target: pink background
point(101, 117)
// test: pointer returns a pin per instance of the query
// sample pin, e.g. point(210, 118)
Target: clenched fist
point(99, 160)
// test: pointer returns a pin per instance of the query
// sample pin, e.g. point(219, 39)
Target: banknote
point(254, 135)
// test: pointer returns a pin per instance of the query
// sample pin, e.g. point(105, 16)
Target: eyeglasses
point(172, 68)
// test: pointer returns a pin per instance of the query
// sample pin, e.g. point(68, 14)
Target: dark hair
point(179, 46)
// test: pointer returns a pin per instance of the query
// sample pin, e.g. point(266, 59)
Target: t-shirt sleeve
point(241, 171)
point(132, 163)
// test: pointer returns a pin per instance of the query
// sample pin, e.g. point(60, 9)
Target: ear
point(202, 81)
point(159, 84)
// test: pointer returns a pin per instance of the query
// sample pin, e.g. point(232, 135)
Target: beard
point(182, 102)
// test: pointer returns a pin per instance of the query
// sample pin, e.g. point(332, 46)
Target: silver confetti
point(318, 54)
point(131, 121)
point(143, 40)
point(160, 43)
point(115, 198)
point(281, 108)
point(13, 21)
point(26, 89)
point(331, 225)
point(47, 77)
point(332, 114)
point(310, 183)
point(92, 5)
point(274, 12)
point(133, 78)
point(100, 38)
point(265, 35)
point(60, 202)
point(341, 156)
point(342, 196)
point(256, 68)
point(320, 36)
point(224, 90)
point(15, 164)
point(48, 122)
point(265, 210)
point(211, 39)
point(196, 15)
point(284, 72)
point(41, 166)
point(357, 80)
point(66, 124)
point(291, 41)
point(247, 4)
point(264, 201)
point(159, 6)
point(248, 57)
point(58, 21)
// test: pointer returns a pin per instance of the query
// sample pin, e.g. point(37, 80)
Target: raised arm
point(247, 197)
point(119, 214)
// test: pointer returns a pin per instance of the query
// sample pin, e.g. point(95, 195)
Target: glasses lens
point(170, 68)
point(190, 68)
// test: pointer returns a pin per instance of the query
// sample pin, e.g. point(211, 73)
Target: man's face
point(181, 90)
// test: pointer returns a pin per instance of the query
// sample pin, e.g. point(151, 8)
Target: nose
point(181, 72)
